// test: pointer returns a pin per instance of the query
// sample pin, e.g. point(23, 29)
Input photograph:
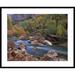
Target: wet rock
point(22, 47)
point(22, 37)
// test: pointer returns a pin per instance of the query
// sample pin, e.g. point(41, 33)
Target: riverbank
point(18, 55)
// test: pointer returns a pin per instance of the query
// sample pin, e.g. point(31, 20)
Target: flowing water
point(39, 50)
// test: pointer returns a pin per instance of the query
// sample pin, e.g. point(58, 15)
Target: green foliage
point(23, 24)
point(60, 30)
point(51, 26)
point(45, 24)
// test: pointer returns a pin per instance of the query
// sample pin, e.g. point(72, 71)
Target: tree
point(9, 22)
point(60, 30)
point(51, 26)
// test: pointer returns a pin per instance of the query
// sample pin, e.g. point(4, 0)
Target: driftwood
point(55, 38)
